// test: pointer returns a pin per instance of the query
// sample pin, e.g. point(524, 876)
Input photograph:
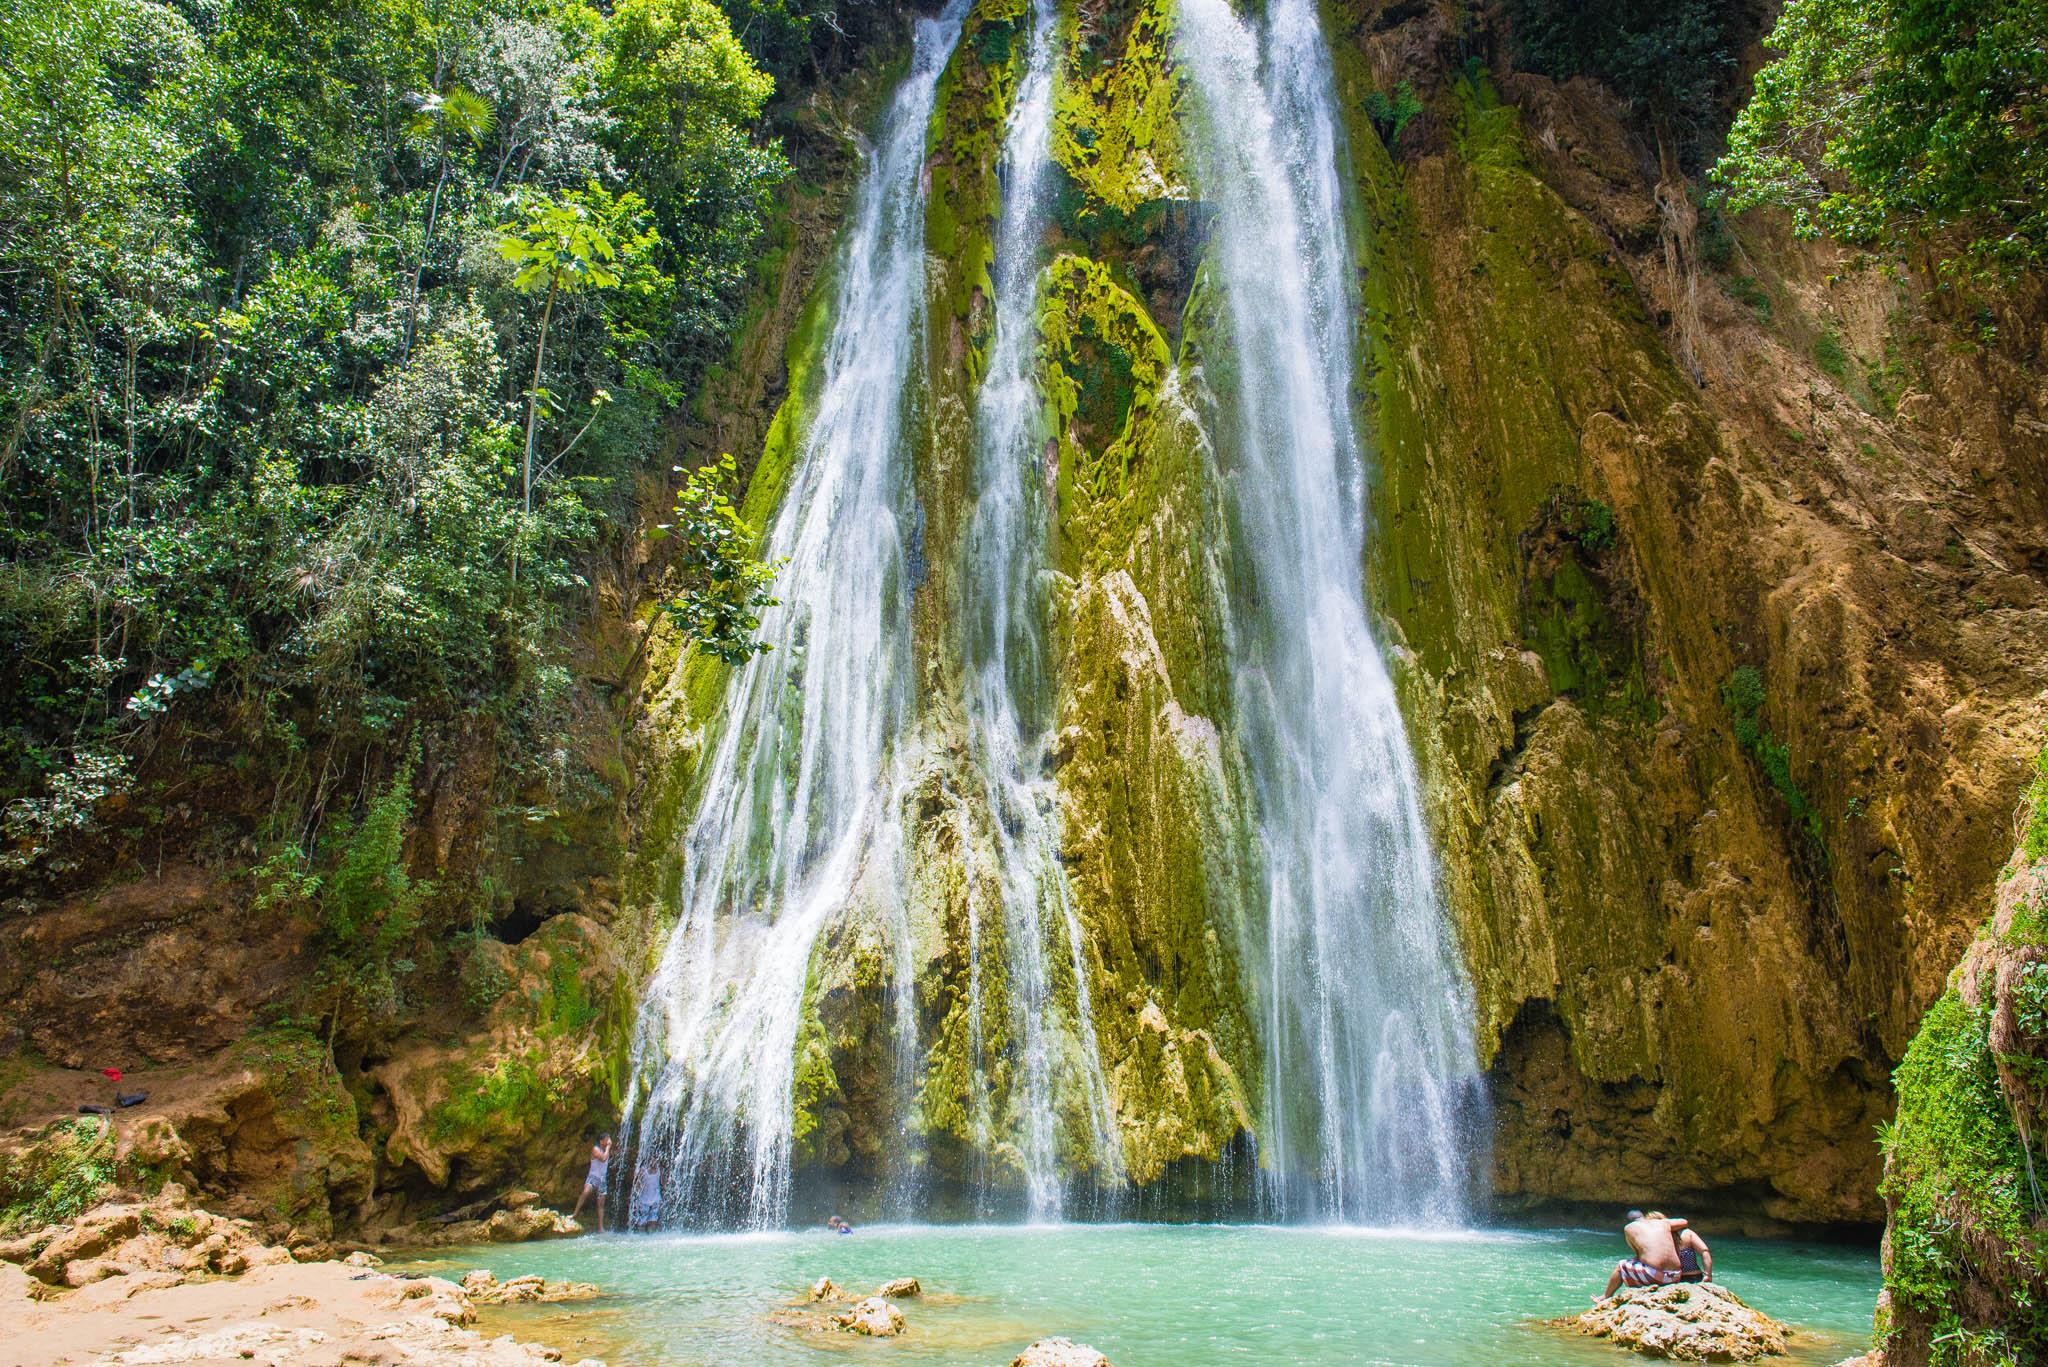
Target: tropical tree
point(585, 240)
point(1883, 119)
point(455, 114)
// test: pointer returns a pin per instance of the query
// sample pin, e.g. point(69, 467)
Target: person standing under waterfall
point(1654, 1261)
point(593, 1181)
point(646, 1211)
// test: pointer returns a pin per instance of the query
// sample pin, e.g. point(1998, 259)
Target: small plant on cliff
point(2034, 841)
point(1829, 355)
point(723, 584)
point(369, 908)
point(61, 1173)
point(1592, 525)
point(1742, 693)
point(1393, 111)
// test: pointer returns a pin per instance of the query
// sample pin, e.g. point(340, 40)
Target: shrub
point(1392, 112)
point(61, 1174)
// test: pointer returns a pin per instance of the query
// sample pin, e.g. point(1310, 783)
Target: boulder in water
point(825, 1289)
point(1059, 1353)
point(899, 1289)
point(1689, 1322)
point(873, 1317)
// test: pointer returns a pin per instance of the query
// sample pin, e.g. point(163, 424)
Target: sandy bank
point(282, 1313)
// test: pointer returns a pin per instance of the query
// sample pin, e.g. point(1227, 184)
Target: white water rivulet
point(799, 802)
point(1364, 1018)
point(1010, 692)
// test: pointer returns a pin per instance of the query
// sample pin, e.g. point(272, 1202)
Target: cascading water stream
point(1370, 1081)
point(1361, 1006)
point(1010, 687)
point(800, 798)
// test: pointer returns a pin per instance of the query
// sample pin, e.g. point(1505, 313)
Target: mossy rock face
point(1117, 122)
point(517, 1105)
point(1966, 1243)
point(1572, 548)
point(55, 1173)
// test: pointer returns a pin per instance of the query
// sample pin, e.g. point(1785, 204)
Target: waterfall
point(1355, 989)
point(801, 799)
point(1010, 693)
point(1369, 1064)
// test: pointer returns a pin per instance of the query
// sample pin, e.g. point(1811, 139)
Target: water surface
point(1146, 1295)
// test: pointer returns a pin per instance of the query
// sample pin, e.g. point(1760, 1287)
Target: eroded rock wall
point(1724, 681)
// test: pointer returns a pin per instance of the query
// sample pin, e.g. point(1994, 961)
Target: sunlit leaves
point(1903, 117)
point(723, 585)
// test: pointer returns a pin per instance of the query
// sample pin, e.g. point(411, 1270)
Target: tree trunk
point(540, 351)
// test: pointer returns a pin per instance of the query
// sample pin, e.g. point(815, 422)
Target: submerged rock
point(1059, 1353)
point(1695, 1322)
point(873, 1317)
point(901, 1288)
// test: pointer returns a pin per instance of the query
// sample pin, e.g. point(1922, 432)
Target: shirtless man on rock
point(1655, 1259)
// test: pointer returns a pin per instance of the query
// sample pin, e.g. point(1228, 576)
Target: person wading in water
point(593, 1182)
point(1655, 1262)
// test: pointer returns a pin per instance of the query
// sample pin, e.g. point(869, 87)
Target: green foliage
point(1881, 121)
point(1670, 58)
point(587, 239)
point(779, 33)
point(683, 92)
point(1829, 355)
point(723, 584)
point(2034, 841)
point(369, 906)
point(1392, 112)
point(260, 481)
point(2030, 999)
point(58, 1175)
point(1956, 1185)
point(1715, 238)
point(1591, 524)
point(1742, 693)
point(479, 970)
point(510, 1096)
point(1746, 290)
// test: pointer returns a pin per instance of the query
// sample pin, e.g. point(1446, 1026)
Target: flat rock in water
point(901, 1288)
point(1059, 1353)
point(874, 1317)
point(1689, 1322)
point(484, 1288)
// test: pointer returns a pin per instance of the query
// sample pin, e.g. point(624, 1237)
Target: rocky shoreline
point(162, 1281)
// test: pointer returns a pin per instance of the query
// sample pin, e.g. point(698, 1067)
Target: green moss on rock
point(1966, 1242)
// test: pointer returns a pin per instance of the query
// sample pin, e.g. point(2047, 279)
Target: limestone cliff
point(1725, 680)
point(1712, 564)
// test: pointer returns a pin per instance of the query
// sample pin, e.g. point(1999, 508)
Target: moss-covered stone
point(1966, 1243)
